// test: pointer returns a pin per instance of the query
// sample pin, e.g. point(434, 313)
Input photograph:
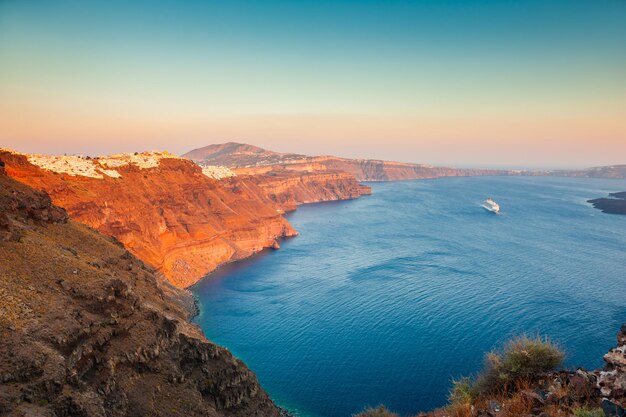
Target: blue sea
point(387, 298)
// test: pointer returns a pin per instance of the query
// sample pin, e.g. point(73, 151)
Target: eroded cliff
point(180, 218)
point(87, 329)
point(168, 213)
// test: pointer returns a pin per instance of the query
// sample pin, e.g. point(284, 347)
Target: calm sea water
point(386, 298)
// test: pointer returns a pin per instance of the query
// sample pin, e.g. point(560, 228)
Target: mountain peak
point(237, 154)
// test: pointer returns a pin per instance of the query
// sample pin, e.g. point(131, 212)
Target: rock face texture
point(290, 188)
point(87, 329)
point(612, 379)
point(169, 215)
point(236, 155)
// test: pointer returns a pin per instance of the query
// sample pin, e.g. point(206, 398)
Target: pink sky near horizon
point(453, 140)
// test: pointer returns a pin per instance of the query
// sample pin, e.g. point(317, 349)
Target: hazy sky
point(489, 82)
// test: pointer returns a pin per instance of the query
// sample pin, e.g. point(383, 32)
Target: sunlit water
point(386, 298)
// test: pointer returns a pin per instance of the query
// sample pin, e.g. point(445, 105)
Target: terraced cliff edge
point(289, 188)
point(177, 217)
point(87, 329)
point(248, 158)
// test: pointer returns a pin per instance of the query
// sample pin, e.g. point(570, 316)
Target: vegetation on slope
point(522, 380)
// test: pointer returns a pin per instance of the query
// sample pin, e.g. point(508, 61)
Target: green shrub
point(587, 412)
point(380, 411)
point(461, 392)
point(522, 360)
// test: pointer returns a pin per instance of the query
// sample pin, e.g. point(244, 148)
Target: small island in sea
point(615, 203)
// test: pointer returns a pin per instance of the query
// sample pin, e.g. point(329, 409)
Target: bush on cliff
point(522, 360)
point(380, 411)
point(462, 391)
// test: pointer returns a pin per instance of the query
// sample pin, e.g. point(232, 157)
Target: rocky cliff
point(87, 329)
point(289, 188)
point(180, 218)
point(164, 210)
point(376, 170)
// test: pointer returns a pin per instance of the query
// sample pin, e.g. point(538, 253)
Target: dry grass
point(460, 410)
point(518, 405)
point(507, 378)
point(523, 359)
point(380, 411)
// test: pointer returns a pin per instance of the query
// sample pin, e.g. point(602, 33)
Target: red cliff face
point(171, 216)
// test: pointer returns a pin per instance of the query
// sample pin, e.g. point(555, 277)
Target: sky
point(537, 83)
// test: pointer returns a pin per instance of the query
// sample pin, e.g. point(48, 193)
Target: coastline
point(244, 288)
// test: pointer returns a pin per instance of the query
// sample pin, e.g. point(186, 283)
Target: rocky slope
point(249, 159)
point(168, 213)
point(233, 154)
point(86, 329)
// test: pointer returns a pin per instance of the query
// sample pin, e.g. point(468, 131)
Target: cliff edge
point(163, 208)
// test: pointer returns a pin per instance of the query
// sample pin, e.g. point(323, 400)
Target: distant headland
point(615, 203)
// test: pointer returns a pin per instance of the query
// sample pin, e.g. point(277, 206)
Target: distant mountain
point(233, 154)
point(248, 159)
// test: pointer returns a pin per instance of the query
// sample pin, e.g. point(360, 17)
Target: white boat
point(491, 206)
